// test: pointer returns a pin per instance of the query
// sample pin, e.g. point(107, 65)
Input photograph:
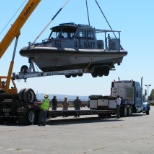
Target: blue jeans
point(42, 117)
point(77, 108)
point(54, 107)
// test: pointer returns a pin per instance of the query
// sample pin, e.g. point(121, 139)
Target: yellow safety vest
point(45, 104)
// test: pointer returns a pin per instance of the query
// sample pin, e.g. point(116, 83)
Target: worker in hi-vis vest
point(44, 109)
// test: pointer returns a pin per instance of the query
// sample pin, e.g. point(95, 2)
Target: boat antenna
point(51, 21)
point(87, 12)
point(105, 17)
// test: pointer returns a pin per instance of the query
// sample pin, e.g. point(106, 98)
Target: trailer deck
point(80, 112)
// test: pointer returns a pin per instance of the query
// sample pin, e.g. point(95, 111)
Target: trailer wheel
point(30, 117)
point(20, 94)
point(29, 96)
point(74, 75)
point(24, 69)
point(80, 74)
point(94, 75)
point(100, 71)
point(106, 71)
point(68, 76)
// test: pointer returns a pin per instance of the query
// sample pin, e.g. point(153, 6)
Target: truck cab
point(131, 93)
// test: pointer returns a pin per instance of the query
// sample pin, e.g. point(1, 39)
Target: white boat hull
point(54, 59)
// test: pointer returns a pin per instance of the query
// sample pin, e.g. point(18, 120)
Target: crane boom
point(14, 31)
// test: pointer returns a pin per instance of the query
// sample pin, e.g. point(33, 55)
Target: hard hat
point(46, 95)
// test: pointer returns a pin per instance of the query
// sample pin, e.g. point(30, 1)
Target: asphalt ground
point(83, 135)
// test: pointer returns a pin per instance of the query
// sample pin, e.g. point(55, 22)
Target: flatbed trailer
point(16, 111)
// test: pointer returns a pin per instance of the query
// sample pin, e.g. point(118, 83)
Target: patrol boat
point(75, 46)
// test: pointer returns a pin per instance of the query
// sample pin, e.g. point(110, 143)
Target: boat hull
point(56, 59)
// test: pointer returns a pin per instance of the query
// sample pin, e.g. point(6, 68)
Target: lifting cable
point(50, 21)
point(87, 12)
point(105, 17)
point(12, 17)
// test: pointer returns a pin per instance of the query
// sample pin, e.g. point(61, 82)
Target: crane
point(14, 32)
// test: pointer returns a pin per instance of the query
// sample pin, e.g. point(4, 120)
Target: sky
point(134, 18)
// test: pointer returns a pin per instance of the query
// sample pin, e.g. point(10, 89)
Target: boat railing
point(110, 43)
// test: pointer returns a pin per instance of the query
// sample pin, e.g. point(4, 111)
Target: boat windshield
point(62, 32)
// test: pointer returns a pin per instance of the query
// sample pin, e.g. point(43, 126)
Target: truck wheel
point(29, 96)
point(30, 117)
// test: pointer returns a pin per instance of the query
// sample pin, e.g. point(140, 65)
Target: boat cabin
point(79, 36)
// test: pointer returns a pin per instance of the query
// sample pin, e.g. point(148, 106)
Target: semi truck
point(131, 95)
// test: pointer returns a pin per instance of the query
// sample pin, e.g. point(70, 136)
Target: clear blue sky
point(134, 18)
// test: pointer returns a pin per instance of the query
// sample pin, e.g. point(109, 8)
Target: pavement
point(83, 135)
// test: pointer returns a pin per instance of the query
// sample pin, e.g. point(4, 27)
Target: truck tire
point(29, 96)
point(30, 117)
point(20, 95)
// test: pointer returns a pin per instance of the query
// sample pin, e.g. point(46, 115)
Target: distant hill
point(61, 97)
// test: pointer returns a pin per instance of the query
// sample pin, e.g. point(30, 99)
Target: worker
point(77, 103)
point(44, 109)
point(65, 103)
point(54, 103)
point(118, 102)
